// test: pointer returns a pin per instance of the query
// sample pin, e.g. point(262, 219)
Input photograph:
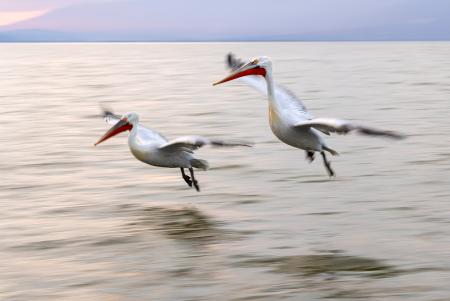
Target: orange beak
point(119, 127)
point(248, 69)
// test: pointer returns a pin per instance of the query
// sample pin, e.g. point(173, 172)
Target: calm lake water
point(80, 222)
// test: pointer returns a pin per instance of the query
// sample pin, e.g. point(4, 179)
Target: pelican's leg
point(327, 164)
point(309, 156)
point(197, 187)
point(186, 177)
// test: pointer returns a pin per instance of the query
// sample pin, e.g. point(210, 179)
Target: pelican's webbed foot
point(186, 178)
point(194, 181)
point(309, 156)
point(327, 165)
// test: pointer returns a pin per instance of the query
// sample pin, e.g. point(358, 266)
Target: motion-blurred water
point(85, 223)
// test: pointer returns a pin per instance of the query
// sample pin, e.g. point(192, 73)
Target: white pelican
point(152, 148)
point(288, 117)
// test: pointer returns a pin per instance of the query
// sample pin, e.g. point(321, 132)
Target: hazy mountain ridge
point(198, 20)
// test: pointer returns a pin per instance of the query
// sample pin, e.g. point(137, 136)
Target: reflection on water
point(85, 223)
point(308, 265)
point(184, 224)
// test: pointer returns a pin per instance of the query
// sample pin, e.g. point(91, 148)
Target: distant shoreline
point(215, 41)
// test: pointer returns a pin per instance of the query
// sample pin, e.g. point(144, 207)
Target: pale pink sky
point(12, 11)
point(11, 17)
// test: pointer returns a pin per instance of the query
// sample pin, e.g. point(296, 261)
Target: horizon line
point(214, 41)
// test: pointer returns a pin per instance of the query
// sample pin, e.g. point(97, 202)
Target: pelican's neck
point(274, 111)
point(273, 105)
point(133, 132)
point(137, 147)
point(270, 85)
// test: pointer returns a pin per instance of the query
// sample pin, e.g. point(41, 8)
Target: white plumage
point(289, 119)
point(154, 149)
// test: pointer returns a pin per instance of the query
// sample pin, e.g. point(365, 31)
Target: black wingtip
point(233, 62)
point(229, 59)
point(388, 134)
point(231, 143)
point(397, 136)
point(108, 111)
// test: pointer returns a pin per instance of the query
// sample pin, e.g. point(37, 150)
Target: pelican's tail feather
point(201, 164)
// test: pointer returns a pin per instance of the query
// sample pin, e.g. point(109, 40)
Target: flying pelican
point(154, 149)
point(288, 117)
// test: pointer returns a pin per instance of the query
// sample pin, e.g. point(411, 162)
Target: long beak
point(248, 69)
point(119, 127)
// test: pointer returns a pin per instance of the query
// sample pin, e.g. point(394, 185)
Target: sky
point(127, 20)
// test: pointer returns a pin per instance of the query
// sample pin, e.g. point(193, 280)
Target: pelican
point(154, 149)
point(289, 119)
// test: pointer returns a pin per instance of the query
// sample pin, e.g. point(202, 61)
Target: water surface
point(80, 222)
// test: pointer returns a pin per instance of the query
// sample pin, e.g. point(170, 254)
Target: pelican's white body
point(145, 146)
point(152, 148)
point(285, 112)
point(288, 117)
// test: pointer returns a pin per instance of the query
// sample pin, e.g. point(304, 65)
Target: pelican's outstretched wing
point(110, 117)
point(285, 97)
point(339, 126)
point(191, 143)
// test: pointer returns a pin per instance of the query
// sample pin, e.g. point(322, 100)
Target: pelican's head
point(126, 123)
point(257, 66)
point(133, 118)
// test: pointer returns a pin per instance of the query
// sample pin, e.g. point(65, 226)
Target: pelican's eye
point(125, 119)
point(255, 62)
